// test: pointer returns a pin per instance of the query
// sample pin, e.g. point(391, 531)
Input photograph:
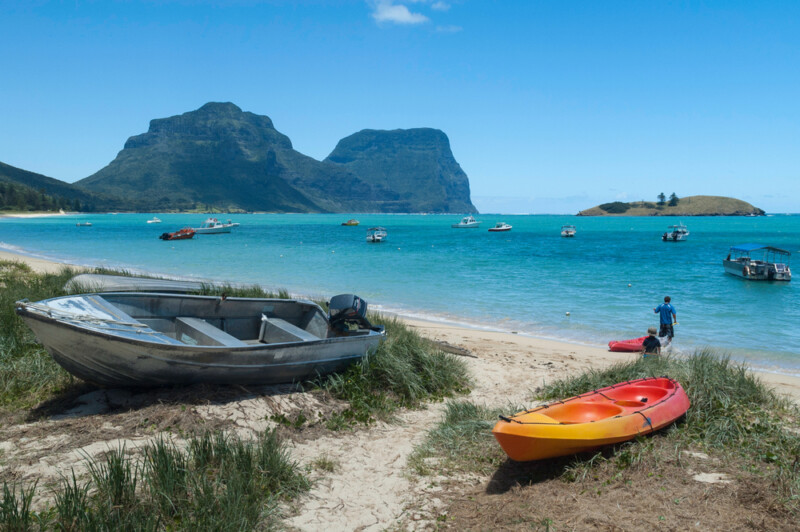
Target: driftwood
point(452, 349)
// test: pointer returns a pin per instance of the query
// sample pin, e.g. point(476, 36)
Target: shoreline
point(475, 339)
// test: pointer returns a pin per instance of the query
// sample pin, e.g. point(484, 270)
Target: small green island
point(688, 206)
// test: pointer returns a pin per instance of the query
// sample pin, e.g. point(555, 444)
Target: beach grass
point(733, 416)
point(217, 481)
point(28, 374)
point(404, 371)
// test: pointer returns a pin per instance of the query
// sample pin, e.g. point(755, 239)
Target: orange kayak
point(586, 422)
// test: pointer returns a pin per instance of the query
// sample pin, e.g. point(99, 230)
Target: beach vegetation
point(217, 481)
point(734, 416)
point(28, 374)
point(404, 371)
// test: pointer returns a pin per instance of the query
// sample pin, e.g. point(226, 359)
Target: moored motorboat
point(468, 222)
point(155, 339)
point(376, 234)
point(154, 220)
point(757, 262)
point(499, 227)
point(351, 222)
point(181, 234)
point(589, 421)
point(568, 230)
point(84, 224)
point(675, 233)
point(213, 226)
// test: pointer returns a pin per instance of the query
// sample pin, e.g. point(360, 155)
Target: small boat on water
point(154, 220)
point(376, 234)
point(213, 226)
point(568, 230)
point(468, 222)
point(156, 339)
point(591, 420)
point(181, 234)
point(501, 226)
point(675, 233)
point(83, 224)
point(757, 262)
point(351, 222)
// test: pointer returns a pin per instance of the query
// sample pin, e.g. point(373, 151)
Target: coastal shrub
point(616, 207)
point(218, 482)
point(403, 371)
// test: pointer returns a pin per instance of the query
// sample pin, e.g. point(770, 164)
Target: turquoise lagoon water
point(608, 278)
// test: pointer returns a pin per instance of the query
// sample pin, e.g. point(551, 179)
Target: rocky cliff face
point(223, 157)
point(417, 165)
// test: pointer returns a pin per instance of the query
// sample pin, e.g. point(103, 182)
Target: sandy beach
point(370, 489)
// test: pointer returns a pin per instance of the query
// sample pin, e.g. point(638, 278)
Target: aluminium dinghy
point(157, 339)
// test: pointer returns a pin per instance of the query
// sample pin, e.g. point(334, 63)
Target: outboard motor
point(347, 309)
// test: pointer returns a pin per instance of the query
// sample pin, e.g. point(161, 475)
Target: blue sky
point(550, 106)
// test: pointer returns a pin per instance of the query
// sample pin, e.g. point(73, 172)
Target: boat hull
point(586, 422)
point(213, 230)
point(753, 271)
point(128, 353)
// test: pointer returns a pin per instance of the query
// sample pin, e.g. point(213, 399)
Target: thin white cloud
point(440, 6)
point(388, 11)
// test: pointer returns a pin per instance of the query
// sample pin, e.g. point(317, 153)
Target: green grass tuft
point(220, 482)
point(405, 370)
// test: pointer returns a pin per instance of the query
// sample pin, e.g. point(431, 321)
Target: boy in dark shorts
point(667, 317)
point(651, 345)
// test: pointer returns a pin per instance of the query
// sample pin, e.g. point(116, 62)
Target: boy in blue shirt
point(668, 318)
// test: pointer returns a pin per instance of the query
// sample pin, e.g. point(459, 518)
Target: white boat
point(84, 224)
point(154, 220)
point(213, 226)
point(568, 230)
point(376, 234)
point(675, 233)
point(756, 262)
point(468, 222)
point(500, 226)
point(156, 339)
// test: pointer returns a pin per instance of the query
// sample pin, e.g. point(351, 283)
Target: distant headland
point(219, 158)
point(688, 206)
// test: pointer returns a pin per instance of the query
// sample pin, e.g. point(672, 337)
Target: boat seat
point(204, 333)
point(276, 330)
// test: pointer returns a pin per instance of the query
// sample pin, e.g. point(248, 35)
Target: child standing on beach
point(668, 318)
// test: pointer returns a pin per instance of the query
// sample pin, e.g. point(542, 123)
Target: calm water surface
point(609, 277)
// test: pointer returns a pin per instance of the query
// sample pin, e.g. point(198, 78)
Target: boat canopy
point(377, 229)
point(747, 248)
